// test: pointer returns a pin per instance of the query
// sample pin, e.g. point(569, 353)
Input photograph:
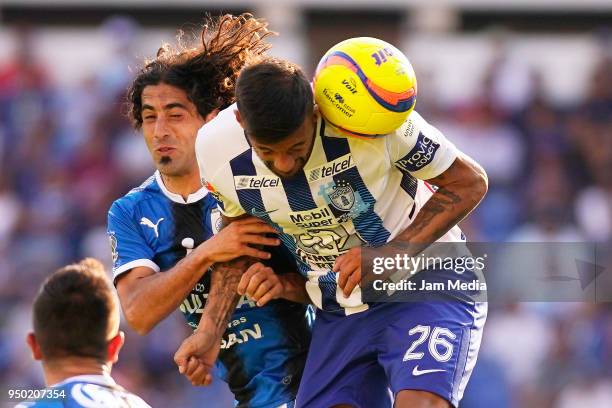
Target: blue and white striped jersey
point(352, 191)
point(87, 391)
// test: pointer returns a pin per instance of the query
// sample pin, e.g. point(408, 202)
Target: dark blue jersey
point(264, 348)
point(86, 391)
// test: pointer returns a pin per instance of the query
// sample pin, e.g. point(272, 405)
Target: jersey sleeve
point(228, 207)
point(219, 184)
point(420, 149)
point(129, 248)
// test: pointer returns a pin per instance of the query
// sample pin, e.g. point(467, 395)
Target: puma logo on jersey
point(148, 223)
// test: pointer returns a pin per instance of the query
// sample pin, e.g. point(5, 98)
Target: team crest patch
point(113, 244)
point(216, 221)
point(343, 197)
point(344, 200)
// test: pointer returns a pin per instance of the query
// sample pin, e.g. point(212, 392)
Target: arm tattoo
point(222, 298)
point(442, 201)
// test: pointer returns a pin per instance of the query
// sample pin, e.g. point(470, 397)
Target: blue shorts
point(425, 345)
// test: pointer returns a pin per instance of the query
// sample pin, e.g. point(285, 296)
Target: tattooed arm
point(223, 297)
point(460, 189)
point(197, 354)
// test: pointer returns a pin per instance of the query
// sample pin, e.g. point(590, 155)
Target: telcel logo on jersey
point(332, 168)
point(319, 217)
point(421, 154)
point(253, 182)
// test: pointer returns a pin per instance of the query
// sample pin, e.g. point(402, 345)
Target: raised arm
point(197, 354)
point(148, 297)
point(460, 188)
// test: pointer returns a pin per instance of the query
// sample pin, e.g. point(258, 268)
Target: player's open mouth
point(165, 149)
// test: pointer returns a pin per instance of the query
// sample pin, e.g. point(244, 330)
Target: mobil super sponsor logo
point(420, 156)
point(255, 182)
point(317, 218)
point(332, 168)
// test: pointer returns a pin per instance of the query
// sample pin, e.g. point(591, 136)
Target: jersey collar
point(101, 379)
point(177, 198)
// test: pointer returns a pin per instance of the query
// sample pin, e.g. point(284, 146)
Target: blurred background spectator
point(526, 91)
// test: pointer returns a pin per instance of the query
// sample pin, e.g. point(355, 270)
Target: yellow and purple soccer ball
point(365, 86)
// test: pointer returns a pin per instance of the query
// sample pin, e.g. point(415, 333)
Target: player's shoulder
point(220, 140)
point(147, 190)
point(98, 392)
point(412, 126)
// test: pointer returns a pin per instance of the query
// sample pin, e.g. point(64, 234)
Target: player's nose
point(284, 163)
point(160, 130)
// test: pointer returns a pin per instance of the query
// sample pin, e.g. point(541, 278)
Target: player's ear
point(211, 115)
point(238, 117)
point(114, 345)
point(34, 347)
point(315, 113)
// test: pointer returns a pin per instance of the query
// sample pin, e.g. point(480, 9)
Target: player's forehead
point(297, 138)
point(162, 96)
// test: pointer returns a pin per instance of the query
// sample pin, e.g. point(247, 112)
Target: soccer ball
point(365, 86)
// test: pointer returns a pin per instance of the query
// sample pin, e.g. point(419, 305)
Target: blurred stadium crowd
point(66, 154)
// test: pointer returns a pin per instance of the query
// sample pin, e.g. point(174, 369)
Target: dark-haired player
point(328, 194)
point(77, 338)
point(163, 232)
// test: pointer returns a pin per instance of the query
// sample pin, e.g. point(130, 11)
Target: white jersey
point(351, 192)
point(86, 391)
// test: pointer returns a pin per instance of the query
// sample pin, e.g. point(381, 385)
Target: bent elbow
point(482, 183)
point(142, 329)
point(137, 321)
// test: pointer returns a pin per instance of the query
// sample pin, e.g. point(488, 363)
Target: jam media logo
point(255, 182)
point(420, 156)
point(332, 168)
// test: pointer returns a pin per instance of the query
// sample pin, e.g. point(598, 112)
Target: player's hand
point(235, 240)
point(261, 284)
point(196, 357)
point(348, 266)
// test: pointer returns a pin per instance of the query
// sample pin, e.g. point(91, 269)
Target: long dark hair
point(208, 71)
